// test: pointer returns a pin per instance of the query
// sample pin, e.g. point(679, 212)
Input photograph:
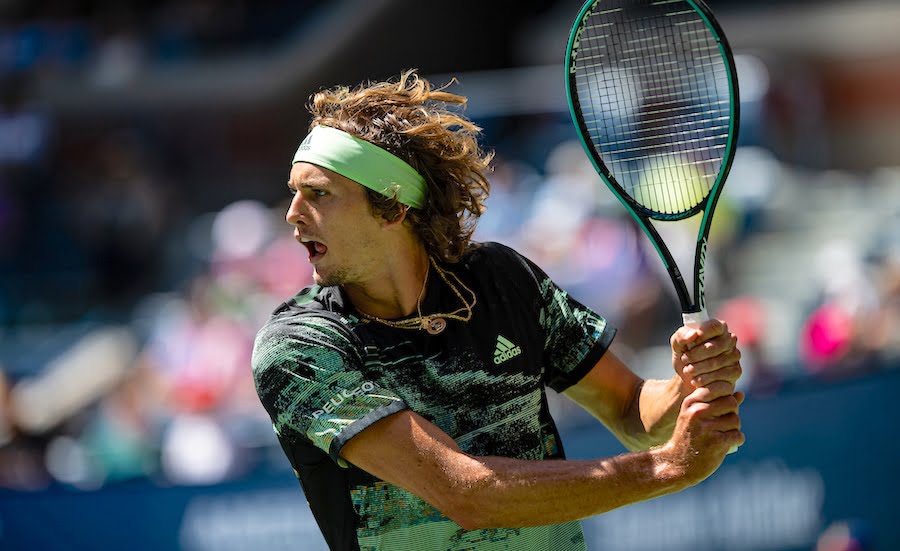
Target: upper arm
point(310, 379)
point(609, 392)
point(574, 337)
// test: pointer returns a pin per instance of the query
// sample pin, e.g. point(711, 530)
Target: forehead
point(312, 175)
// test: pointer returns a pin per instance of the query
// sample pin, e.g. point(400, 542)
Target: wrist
point(668, 468)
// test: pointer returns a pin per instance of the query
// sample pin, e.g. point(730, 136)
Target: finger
point(708, 330)
point(707, 367)
point(715, 407)
point(740, 397)
point(699, 411)
point(729, 374)
point(713, 391)
point(724, 423)
point(727, 367)
point(713, 327)
point(724, 405)
point(704, 350)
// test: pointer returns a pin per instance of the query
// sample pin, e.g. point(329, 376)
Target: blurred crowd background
point(144, 148)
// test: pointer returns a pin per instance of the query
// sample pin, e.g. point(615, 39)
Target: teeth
point(307, 240)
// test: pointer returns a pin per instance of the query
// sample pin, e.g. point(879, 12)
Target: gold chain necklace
point(433, 323)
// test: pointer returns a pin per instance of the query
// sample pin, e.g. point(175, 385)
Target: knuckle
point(735, 437)
point(700, 407)
point(725, 387)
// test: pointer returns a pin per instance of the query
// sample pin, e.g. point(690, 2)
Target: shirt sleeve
point(310, 376)
point(575, 337)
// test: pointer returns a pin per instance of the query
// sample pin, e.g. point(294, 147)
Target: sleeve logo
point(340, 397)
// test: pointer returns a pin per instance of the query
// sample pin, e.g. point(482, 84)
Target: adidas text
point(506, 350)
point(509, 354)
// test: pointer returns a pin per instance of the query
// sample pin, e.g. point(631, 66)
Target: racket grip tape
point(694, 320)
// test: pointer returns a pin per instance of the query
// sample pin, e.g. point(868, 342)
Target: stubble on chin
point(330, 279)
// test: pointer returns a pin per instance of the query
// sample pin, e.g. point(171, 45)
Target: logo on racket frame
point(701, 276)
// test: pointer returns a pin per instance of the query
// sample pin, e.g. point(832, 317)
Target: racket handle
point(693, 320)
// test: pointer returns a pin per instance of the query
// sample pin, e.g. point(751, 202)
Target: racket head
point(652, 89)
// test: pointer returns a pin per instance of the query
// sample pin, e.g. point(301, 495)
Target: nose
point(296, 210)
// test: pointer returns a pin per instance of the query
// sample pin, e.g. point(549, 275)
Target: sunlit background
point(144, 148)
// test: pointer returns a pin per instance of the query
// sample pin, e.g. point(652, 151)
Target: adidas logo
point(306, 144)
point(505, 350)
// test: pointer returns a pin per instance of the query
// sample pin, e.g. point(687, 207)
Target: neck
point(394, 292)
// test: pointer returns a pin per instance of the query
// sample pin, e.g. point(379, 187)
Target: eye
point(319, 192)
point(291, 191)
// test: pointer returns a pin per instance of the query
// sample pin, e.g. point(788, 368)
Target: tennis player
point(408, 386)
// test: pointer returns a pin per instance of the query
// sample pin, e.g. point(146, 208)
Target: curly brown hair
point(414, 121)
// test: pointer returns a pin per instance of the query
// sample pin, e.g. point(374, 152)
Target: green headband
point(364, 163)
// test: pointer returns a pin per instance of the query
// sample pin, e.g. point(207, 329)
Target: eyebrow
point(308, 185)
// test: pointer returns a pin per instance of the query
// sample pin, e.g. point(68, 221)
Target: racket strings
point(653, 91)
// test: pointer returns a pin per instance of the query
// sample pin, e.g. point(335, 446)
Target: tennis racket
point(653, 92)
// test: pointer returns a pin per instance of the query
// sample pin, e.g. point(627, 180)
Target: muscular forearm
point(490, 491)
point(523, 493)
point(503, 492)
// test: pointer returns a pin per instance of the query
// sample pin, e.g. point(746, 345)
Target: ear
point(398, 219)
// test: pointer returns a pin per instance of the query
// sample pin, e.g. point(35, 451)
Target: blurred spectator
point(830, 339)
point(121, 439)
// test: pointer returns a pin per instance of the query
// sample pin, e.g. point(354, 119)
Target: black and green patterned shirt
point(324, 375)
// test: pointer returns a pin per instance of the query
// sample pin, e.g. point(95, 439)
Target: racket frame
point(694, 310)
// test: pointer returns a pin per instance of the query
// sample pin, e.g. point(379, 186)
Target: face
point(332, 219)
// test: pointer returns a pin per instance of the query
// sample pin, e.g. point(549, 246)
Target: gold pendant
point(434, 325)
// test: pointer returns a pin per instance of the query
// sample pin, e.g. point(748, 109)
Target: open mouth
point(316, 249)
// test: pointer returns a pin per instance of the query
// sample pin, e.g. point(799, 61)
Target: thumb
point(684, 339)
